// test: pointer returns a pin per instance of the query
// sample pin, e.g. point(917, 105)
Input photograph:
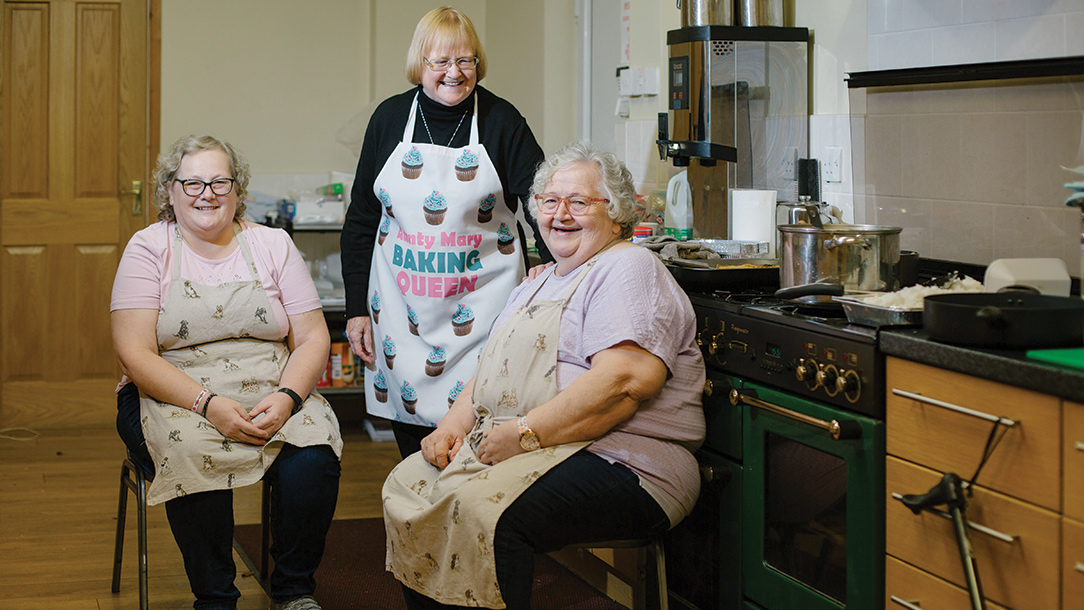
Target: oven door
point(813, 504)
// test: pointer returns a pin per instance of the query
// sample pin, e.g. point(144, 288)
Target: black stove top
point(808, 349)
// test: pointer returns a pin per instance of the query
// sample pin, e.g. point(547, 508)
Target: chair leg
point(122, 511)
point(141, 513)
point(265, 533)
point(660, 566)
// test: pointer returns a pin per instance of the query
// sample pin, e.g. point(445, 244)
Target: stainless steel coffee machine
point(738, 95)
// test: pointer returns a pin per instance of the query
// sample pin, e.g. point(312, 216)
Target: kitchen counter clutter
point(1011, 367)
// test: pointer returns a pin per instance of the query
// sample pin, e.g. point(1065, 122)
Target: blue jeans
point(304, 489)
point(582, 499)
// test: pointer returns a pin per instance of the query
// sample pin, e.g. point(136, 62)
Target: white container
point(752, 216)
point(679, 207)
point(1047, 275)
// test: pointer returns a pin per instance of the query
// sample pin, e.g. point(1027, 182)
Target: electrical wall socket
point(790, 163)
point(832, 169)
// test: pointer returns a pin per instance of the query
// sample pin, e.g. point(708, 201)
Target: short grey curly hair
point(170, 161)
point(614, 179)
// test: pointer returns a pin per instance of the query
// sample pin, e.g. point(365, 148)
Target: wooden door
point(74, 99)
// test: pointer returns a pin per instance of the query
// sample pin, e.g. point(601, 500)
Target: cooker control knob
point(718, 344)
point(808, 371)
point(829, 378)
point(700, 337)
point(708, 387)
point(850, 384)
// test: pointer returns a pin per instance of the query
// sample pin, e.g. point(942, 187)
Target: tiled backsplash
point(920, 33)
point(975, 171)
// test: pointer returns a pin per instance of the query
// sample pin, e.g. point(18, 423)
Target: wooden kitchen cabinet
point(923, 590)
point(1073, 449)
point(1026, 490)
point(1026, 464)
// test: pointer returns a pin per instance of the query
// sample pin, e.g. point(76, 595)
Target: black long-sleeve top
point(502, 131)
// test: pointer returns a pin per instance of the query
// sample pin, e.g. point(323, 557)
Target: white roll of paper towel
point(752, 216)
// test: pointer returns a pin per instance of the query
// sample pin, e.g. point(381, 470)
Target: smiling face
point(208, 217)
point(453, 85)
point(573, 240)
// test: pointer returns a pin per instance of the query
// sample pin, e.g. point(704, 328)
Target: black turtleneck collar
point(434, 109)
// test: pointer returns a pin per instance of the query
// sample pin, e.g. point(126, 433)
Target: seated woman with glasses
point(581, 421)
point(218, 329)
point(431, 246)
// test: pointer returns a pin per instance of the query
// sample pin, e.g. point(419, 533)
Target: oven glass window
point(805, 515)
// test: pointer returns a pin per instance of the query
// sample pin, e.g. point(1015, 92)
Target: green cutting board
point(1073, 356)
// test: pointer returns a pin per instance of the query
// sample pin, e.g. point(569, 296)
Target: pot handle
point(804, 290)
point(994, 317)
point(847, 240)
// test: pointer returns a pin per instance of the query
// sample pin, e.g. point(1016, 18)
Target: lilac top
point(630, 296)
point(145, 270)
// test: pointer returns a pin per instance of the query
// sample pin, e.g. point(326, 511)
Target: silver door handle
point(975, 526)
point(840, 430)
point(906, 604)
point(1005, 421)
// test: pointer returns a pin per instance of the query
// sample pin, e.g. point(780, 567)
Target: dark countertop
point(1010, 367)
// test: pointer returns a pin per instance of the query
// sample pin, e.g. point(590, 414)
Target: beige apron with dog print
point(227, 338)
point(440, 524)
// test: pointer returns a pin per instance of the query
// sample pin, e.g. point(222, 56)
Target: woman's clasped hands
point(255, 427)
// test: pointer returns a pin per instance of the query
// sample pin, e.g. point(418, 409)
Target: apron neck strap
point(178, 243)
point(408, 131)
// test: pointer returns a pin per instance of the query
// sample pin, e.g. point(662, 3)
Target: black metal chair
point(644, 546)
point(134, 477)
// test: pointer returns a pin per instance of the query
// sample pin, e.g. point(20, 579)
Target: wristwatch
point(527, 438)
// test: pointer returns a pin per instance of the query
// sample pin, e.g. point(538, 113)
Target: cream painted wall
point(301, 79)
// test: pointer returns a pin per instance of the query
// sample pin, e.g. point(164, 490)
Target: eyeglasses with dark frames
point(577, 206)
point(195, 188)
point(443, 65)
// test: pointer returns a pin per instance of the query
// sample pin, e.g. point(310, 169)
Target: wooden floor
point(58, 510)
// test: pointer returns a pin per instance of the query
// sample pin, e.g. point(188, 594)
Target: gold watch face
point(529, 440)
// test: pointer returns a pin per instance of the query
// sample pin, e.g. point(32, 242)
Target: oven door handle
point(841, 430)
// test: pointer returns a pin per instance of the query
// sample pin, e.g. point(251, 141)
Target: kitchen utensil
point(817, 297)
point(859, 311)
point(736, 248)
point(908, 268)
point(706, 12)
point(1072, 356)
point(1006, 320)
point(1046, 275)
point(760, 12)
point(724, 274)
point(858, 257)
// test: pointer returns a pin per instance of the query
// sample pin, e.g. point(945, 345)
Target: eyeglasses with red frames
point(577, 206)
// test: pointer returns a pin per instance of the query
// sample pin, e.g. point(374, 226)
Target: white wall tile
point(1074, 26)
point(963, 44)
point(977, 11)
point(1031, 38)
point(903, 50)
point(919, 14)
point(1050, 7)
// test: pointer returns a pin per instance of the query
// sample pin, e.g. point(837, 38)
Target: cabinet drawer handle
point(1004, 421)
point(975, 526)
point(1079, 567)
point(1079, 446)
point(906, 604)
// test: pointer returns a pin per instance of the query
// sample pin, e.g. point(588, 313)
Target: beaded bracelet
point(199, 399)
point(206, 404)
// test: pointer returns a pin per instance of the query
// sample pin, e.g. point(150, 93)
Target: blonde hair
point(442, 26)
point(170, 161)
point(614, 180)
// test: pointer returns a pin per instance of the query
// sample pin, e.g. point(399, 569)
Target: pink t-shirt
point(630, 296)
point(145, 270)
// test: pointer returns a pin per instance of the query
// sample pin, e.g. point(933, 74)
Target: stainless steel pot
point(858, 257)
point(706, 12)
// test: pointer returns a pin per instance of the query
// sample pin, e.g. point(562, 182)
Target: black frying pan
point(724, 274)
point(814, 297)
point(1006, 320)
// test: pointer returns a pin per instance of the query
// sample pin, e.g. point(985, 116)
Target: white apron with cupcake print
point(445, 260)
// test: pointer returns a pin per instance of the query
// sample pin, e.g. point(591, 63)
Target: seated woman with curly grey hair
point(581, 421)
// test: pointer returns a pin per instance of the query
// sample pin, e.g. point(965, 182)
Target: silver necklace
point(422, 112)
